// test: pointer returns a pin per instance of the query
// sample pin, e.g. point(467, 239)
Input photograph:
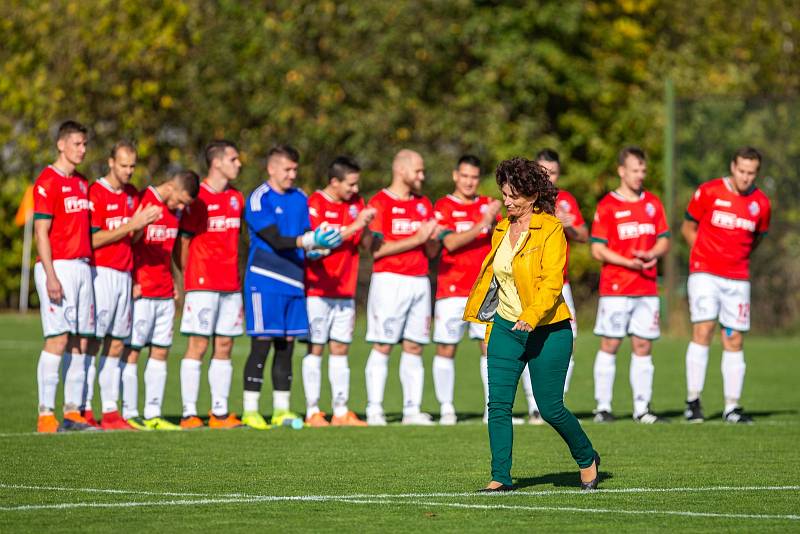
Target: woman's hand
point(522, 326)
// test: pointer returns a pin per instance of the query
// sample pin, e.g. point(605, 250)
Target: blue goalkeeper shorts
point(271, 315)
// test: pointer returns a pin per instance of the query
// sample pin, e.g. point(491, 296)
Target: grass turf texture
point(657, 478)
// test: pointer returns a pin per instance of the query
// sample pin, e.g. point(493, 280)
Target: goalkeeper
point(277, 217)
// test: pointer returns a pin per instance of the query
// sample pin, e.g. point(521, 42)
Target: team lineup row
point(104, 278)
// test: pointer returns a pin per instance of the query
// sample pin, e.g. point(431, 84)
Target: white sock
point(641, 377)
point(485, 379)
point(91, 373)
point(190, 385)
point(155, 378)
point(570, 368)
point(74, 381)
point(412, 380)
point(108, 379)
point(130, 391)
point(605, 367)
point(444, 378)
point(312, 382)
point(733, 368)
point(220, 373)
point(47, 378)
point(376, 371)
point(696, 364)
point(527, 388)
point(339, 377)
point(280, 400)
point(250, 399)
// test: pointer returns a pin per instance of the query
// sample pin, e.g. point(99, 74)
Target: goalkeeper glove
point(322, 237)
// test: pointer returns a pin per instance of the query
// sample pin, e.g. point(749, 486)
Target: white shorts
point(330, 319)
point(712, 297)
point(620, 316)
point(566, 292)
point(112, 301)
point(152, 323)
point(449, 325)
point(398, 307)
point(75, 313)
point(212, 313)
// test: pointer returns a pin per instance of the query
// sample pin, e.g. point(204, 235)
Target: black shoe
point(603, 416)
point(592, 485)
point(694, 412)
point(737, 416)
point(498, 489)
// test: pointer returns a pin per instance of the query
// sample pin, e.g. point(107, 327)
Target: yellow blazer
point(538, 269)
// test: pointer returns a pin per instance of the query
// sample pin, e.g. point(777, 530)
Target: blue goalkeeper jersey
point(270, 270)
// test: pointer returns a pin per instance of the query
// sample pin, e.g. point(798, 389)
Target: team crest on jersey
point(753, 208)
point(564, 205)
point(82, 186)
point(650, 209)
point(353, 211)
point(313, 211)
point(421, 209)
point(130, 202)
point(484, 208)
point(234, 203)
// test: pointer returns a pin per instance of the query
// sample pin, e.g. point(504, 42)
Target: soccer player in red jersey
point(330, 289)
point(629, 235)
point(399, 300)
point(467, 218)
point(63, 278)
point(115, 219)
point(725, 221)
point(569, 213)
point(154, 300)
point(209, 251)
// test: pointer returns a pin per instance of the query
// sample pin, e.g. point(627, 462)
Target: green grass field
point(656, 478)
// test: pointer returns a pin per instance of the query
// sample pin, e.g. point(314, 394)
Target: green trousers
point(546, 350)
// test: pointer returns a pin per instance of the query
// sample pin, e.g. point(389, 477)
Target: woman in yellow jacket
point(518, 294)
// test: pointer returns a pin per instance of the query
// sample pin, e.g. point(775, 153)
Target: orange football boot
point(188, 423)
point(47, 424)
point(229, 421)
point(348, 419)
point(317, 420)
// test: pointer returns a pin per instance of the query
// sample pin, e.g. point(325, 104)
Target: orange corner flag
point(25, 210)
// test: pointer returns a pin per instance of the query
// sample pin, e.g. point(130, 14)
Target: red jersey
point(152, 254)
point(398, 219)
point(335, 275)
point(65, 200)
point(728, 225)
point(566, 203)
point(213, 221)
point(627, 226)
point(459, 269)
point(111, 208)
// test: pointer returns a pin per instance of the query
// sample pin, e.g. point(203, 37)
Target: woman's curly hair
point(528, 178)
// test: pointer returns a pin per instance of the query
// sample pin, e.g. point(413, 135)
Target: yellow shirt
point(509, 306)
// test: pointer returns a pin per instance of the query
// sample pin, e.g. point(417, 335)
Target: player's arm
point(140, 219)
point(361, 222)
point(180, 252)
point(689, 231)
point(453, 241)
point(382, 248)
point(319, 238)
point(601, 252)
point(579, 234)
point(41, 230)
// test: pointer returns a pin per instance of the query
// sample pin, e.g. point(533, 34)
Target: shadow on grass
point(564, 479)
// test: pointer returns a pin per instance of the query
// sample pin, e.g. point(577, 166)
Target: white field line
point(392, 502)
point(519, 493)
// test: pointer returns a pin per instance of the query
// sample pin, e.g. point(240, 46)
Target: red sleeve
point(442, 213)
point(696, 208)
point(600, 225)
point(97, 208)
point(376, 225)
point(766, 214)
point(576, 211)
point(315, 209)
point(662, 226)
point(192, 219)
point(44, 197)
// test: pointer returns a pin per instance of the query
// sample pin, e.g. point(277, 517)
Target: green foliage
point(366, 78)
